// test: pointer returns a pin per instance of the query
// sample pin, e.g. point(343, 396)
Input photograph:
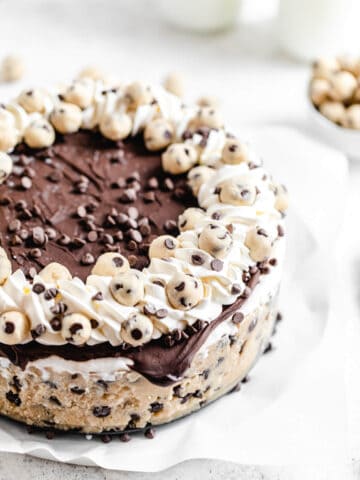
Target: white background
point(257, 84)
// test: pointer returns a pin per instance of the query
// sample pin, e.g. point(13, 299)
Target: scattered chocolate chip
point(38, 288)
point(280, 230)
point(238, 317)
point(9, 328)
point(197, 259)
point(94, 323)
point(161, 313)
point(216, 265)
point(87, 259)
point(236, 289)
point(77, 390)
point(156, 407)
point(101, 411)
point(168, 185)
point(13, 397)
point(26, 183)
point(150, 433)
point(125, 437)
point(39, 330)
point(50, 293)
point(106, 438)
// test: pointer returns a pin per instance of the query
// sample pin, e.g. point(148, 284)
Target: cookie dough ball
point(179, 158)
point(5, 266)
point(333, 111)
point(198, 176)
point(127, 288)
point(14, 327)
point(39, 134)
point(12, 68)
point(138, 94)
point(163, 247)
point(66, 118)
point(351, 64)
point(325, 67)
point(208, 117)
point(281, 198)
point(235, 152)
point(6, 165)
point(216, 240)
point(76, 328)
point(319, 90)
point(54, 272)
point(8, 137)
point(352, 117)
point(259, 243)
point(190, 219)
point(116, 126)
point(80, 93)
point(158, 134)
point(92, 72)
point(342, 86)
point(34, 100)
point(137, 330)
point(184, 291)
point(235, 191)
point(174, 83)
point(110, 264)
point(208, 101)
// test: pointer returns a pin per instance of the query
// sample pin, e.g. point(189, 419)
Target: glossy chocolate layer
point(83, 196)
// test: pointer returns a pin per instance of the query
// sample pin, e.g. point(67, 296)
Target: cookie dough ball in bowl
point(190, 219)
point(325, 67)
point(14, 327)
point(66, 118)
point(76, 328)
point(158, 134)
point(333, 111)
point(236, 191)
point(163, 247)
point(110, 264)
point(127, 288)
point(116, 126)
point(352, 117)
point(137, 330)
point(179, 158)
point(216, 240)
point(184, 291)
point(319, 91)
point(259, 243)
point(342, 86)
point(39, 134)
point(198, 176)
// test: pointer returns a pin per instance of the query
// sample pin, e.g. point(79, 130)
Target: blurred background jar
point(308, 29)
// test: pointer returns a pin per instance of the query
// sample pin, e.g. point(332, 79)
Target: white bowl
point(344, 139)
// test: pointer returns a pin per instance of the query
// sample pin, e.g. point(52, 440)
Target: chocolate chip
point(128, 196)
point(125, 437)
point(168, 184)
point(87, 259)
point(133, 213)
point(77, 390)
point(51, 233)
point(14, 225)
point(98, 296)
point(38, 288)
point(149, 433)
point(35, 253)
point(75, 328)
point(149, 197)
point(238, 317)
point(13, 397)
point(161, 313)
point(56, 324)
point(269, 347)
point(9, 328)
point(216, 265)
point(101, 411)
point(92, 236)
point(169, 243)
point(4, 200)
point(152, 183)
point(236, 289)
point(252, 325)
point(59, 308)
point(281, 231)
point(94, 323)
point(180, 287)
point(15, 240)
point(26, 183)
point(64, 240)
point(106, 438)
point(38, 236)
point(39, 330)
point(149, 309)
point(20, 205)
point(197, 259)
point(134, 235)
point(145, 230)
point(50, 293)
point(171, 227)
point(156, 407)
point(55, 176)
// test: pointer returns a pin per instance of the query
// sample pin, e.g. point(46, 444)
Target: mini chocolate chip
point(26, 183)
point(15, 240)
point(64, 240)
point(149, 309)
point(59, 308)
point(38, 288)
point(136, 334)
point(246, 293)
point(170, 226)
point(5, 200)
point(149, 433)
point(9, 328)
point(281, 231)
point(197, 259)
point(149, 197)
point(106, 438)
point(98, 296)
point(55, 400)
point(169, 243)
point(128, 196)
point(77, 390)
point(238, 317)
point(35, 253)
point(13, 397)
point(50, 293)
point(236, 289)
point(94, 323)
point(133, 213)
point(39, 330)
point(92, 236)
point(14, 225)
point(152, 183)
point(125, 437)
point(38, 236)
point(252, 325)
point(75, 327)
point(101, 411)
point(51, 233)
point(81, 211)
point(145, 230)
point(168, 184)
point(55, 176)
point(87, 259)
point(161, 313)
point(156, 407)
point(180, 287)
point(216, 265)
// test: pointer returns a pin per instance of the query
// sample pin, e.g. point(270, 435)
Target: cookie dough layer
point(98, 402)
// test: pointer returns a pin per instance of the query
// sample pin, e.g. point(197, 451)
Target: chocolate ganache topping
point(86, 195)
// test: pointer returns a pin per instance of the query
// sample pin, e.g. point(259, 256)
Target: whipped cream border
point(17, 292)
